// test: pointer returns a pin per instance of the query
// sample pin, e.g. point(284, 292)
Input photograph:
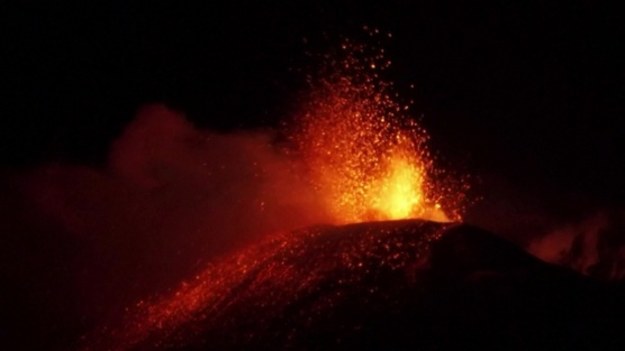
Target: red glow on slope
point(367, 161)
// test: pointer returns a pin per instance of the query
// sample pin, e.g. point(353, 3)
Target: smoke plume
point(171, 199)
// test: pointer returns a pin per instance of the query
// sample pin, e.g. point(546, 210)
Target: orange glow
point(401, 190)
point(367, 159)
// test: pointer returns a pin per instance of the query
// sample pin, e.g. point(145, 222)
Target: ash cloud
point(172, 198)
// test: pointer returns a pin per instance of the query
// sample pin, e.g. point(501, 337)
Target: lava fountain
point(367, 162)
point(367, 159)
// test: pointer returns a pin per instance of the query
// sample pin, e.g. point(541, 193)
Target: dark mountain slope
point(379, 286)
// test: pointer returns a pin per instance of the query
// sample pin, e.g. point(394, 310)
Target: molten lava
point(367, 159)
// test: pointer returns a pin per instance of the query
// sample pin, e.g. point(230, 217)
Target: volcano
point(391, 285)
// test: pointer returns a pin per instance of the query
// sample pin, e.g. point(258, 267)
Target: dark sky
point(532, 91)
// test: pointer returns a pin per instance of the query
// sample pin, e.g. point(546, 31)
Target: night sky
point(534, 91)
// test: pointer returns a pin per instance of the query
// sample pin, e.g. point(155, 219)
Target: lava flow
point(367, 159)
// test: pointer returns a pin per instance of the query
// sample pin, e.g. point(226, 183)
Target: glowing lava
point(367, 159)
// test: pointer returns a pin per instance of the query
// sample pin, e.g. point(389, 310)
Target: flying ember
point(367, 159)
